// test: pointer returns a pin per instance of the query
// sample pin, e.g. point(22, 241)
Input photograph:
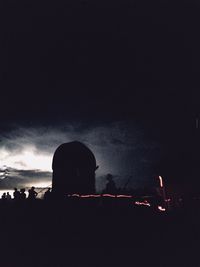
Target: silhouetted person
point(16, 194)
point(8, 196)
point(110, 186)
point(22, 194)
point(74, 167)
point(47, 194)
point(3, 197)
point(32, 194)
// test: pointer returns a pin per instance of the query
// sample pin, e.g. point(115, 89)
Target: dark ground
point(84, 233)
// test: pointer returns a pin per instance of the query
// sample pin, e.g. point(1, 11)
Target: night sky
point(121, 76)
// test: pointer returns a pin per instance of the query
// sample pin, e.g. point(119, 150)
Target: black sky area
point(99, 62)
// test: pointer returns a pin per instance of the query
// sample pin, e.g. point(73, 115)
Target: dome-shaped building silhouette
point(74, 167)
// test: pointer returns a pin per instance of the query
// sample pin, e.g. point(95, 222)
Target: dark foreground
point(78, 233)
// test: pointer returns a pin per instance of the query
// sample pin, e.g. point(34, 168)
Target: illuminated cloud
point(120, 148)
point(27, 158)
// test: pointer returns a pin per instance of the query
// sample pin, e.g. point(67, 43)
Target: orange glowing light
point(74, 195)
point(108, 195)
point(144, 203)
point(100, 195)
point(125, 196)
point(161, 181)
point(89, 196)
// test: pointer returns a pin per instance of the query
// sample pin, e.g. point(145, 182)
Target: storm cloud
point(120, 148)
point(24, 178)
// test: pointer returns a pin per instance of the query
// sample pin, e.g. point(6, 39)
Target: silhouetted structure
point(3, 197)
point(74, 167)
point(32, 194)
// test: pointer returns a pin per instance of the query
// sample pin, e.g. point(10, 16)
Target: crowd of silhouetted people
point(31, 194)
point(6, 196)
point(20, 195)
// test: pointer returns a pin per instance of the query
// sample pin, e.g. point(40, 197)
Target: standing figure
point(110, 186)
point(3, 197)
point(16, 194)
point(8, 196)
point(47, 194)
point(32, 194)
point(22, 194)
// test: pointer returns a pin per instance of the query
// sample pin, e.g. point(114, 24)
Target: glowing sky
point(28, 158)
point(119, 148)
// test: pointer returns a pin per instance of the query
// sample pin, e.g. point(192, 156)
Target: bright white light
point(142, 203)
point(27, 159)
point(161, 181)
point(41, 184)
point(161, 208)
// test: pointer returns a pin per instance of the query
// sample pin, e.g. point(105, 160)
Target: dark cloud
point(120, 76)
point(122, 149)
point(24, 178)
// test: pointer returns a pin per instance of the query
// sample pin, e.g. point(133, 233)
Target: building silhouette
point(74, 167)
